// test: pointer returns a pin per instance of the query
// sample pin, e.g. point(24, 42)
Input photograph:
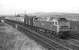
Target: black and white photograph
point(39, 24)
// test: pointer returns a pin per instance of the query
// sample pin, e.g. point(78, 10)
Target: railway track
point(39, 37)
point(52, 43)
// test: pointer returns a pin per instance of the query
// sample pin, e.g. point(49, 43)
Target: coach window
point(53, 22)
point(36, 19)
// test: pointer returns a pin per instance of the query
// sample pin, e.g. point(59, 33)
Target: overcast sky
point(30, 6)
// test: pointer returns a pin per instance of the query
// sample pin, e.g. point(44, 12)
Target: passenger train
point(50, 23)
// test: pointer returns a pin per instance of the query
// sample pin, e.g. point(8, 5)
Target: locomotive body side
point(46, 25)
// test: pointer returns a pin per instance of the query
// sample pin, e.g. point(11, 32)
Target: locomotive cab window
point(55, 23)
point(35, 19)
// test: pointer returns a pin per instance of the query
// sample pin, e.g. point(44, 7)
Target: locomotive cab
point(63, 25)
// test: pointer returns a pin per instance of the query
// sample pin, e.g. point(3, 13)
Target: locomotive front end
point(64, 25)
